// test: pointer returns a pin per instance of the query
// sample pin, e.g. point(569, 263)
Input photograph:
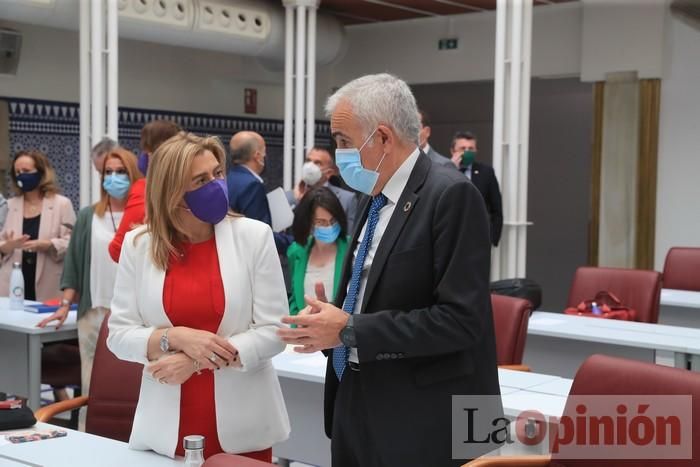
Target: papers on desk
point(547, 321)
point(280, 210)
point(43, 308)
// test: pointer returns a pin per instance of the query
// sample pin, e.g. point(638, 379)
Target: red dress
point(193, 296)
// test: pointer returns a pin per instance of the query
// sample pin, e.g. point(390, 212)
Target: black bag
point(519, 288)
point(16, 419)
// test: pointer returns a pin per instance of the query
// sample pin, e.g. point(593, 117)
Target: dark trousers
point(351, 444)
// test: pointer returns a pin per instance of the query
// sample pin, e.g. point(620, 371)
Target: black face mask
point(28, 181)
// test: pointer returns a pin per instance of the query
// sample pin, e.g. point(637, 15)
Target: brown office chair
point(604, 375)
point(114, 392)
point(231, 460)
point(682, 269)
point(510, 318)
point(636, 288)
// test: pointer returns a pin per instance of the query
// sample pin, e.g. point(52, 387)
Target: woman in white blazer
point(198, 299)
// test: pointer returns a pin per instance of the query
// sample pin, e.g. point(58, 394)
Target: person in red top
point(198, 299)
point(153, 134)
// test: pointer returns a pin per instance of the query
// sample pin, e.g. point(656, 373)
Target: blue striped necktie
point(340, 354)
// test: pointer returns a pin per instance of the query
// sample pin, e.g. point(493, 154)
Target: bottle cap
point(17, 264)
point(193, 442)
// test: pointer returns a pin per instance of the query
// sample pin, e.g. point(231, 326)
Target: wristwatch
point(65, 302)
point(164, 343)
point(347, 334)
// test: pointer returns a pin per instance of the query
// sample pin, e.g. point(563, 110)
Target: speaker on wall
point(10, 46)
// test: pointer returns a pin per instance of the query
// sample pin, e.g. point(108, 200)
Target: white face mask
point(310, 173)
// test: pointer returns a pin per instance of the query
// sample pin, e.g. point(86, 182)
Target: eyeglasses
point(323, 222)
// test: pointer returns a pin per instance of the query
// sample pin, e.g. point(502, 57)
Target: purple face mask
point(143, 162)
point(209, 203)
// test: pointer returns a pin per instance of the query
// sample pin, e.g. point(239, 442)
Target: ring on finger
point(161, 380)
point(212, 357)
point(197, 367)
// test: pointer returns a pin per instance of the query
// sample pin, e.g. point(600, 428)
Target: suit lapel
point(402, 211)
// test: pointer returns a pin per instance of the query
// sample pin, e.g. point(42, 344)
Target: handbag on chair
point(605, 305)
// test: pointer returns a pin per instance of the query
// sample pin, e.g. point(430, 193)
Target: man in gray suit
point(423, 137)
point(321, 156)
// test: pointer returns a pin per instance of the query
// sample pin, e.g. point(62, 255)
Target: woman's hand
point(59, 315)
point(211, 351)
point(172, 369)
point(37, 245)
point(12, 242)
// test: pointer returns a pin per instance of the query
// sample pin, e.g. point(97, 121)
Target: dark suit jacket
point(246, 195)
point(484, 178)
point(426, 328)
point(439, 158)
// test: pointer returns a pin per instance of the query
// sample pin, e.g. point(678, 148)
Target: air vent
point(171, 12)
point(231, 19)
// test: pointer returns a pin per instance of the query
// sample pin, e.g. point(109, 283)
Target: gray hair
point(105, 145)
point(380, 99)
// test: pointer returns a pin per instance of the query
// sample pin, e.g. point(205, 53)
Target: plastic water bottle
point(17, 288)
point(595, 309)
point(194, 450)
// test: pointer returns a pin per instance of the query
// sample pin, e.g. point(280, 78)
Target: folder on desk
point(45, 308)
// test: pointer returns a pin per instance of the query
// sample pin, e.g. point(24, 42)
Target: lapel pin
point(407, 206)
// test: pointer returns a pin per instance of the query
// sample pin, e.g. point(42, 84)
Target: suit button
point(380, 356)
point(394, 356)
point(387, 356)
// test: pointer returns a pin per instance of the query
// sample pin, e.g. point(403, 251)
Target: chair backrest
point(510, 318)
point(636, 288)
point(114, 392)
point(231, 460)
point(610, 376)
point(682, 269)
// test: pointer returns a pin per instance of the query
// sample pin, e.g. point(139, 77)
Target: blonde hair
point(130, 164)
point(48, 186)
point(169, 170)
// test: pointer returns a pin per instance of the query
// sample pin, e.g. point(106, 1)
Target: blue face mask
point(349, 163)
point(28, 181)
point(116, 185)
point(327, 234)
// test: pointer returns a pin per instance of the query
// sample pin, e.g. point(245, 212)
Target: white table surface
point(25, 322)
point(548, 405)
point(616, 332)
point(557, 387)
point(77, 450)
point(522, 379)
point(681, 298)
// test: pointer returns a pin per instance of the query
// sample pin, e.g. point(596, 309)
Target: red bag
point(605, 305)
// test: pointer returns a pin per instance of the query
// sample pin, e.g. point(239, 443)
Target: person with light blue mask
point(88, 271)
point(316, 256)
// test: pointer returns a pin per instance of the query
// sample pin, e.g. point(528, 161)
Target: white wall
point(622, 36)
point(677, 212)
point(409, 48)
point(151, 76)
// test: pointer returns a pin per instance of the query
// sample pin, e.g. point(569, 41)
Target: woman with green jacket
point(88, 271)
point(317, 254)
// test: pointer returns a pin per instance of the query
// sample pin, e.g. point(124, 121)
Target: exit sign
point(448, 44)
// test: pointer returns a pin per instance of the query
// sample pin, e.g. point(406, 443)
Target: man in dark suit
point(246, 192)
point(412, 323)
point(425, 146)
point(464, 151)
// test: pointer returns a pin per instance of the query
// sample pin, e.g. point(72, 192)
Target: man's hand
point(318, 327)
point(457, 159)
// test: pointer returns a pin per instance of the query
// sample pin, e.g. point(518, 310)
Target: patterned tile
point(53, 127)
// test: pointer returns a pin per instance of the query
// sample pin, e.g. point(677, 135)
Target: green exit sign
point(448, 44)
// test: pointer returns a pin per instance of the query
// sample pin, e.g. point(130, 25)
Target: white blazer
point(250, 410)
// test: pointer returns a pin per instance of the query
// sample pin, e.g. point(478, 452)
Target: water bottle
point(17, 288)
point(595, 309)
point(194, 450)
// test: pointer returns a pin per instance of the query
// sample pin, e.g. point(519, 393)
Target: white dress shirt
point(103, 270)
point(392, 190)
